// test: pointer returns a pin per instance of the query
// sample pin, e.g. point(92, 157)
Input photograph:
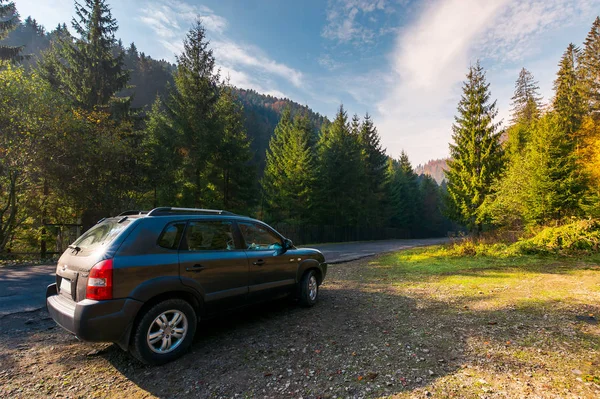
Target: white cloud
point(327, 61)
point(343, 20)
point(510, 37)
point(245, 66)
point(231, 54)
point(432, 55)
point(168, 19)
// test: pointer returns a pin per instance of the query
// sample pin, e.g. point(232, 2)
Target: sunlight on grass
point(488, 281)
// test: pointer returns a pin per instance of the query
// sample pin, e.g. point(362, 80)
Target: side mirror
point(288, 244)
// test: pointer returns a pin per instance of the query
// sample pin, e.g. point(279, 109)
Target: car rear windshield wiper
point(75, 247)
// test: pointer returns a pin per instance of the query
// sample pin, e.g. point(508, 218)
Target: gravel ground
point(365, 338)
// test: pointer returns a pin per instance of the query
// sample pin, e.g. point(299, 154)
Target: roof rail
point(186, 211)
point(132, 212)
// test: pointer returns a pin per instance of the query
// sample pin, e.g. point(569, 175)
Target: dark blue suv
point(144, 279)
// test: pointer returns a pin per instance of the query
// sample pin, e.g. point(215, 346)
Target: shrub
point(475, 247)
point(581, 236)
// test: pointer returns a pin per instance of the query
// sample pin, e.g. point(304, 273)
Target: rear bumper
point(95, 321)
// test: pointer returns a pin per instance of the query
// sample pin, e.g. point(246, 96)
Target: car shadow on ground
point(368, 341)
point(350, 343)
point(361, 339)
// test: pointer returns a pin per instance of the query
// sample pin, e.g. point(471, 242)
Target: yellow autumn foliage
point(590, 151)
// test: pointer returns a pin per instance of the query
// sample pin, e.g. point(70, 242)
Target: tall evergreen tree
point(85, 69)
point(199, 136)
point(9, 19)
point(374, 161)
point(232, 173)
point(568, 100)
point(431, 221)
point(289, 177)
point(590, 69)
point(192, 110)
point(187, 128)
point(555, 188)
point(525, 110)
point(477, 157)
point(404, 194)
point(340, 173)
point(526, 99)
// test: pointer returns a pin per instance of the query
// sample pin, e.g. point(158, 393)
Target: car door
point(211, 258)
point(272, 271)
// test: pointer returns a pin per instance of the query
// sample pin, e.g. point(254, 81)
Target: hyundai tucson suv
point(144, 279)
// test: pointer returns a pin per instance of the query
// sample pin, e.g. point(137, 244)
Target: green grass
point(518, 313)
point(499, 279)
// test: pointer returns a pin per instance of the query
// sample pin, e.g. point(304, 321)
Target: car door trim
point(270, 285)
point(216, 296)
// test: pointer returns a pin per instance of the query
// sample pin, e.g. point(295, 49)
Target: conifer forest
point(90, 127)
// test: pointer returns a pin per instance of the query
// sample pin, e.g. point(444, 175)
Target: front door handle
point(259, 262)
point(196, 268)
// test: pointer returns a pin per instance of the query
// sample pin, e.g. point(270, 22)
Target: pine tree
point(375, 162)
point(404, 198)
point(191, 109)
point(476, 153)
point(590, 69)
point(232, 173)
point(200, 136)
point(568, 100)
point(288, 181)
point(431, 221)
point(85, 69)
point(162, 158)
point(526, 99)
point(555, 188)
point(340, 172)
point(9, 19)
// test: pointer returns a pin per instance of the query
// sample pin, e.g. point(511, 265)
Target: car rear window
point(101, 235)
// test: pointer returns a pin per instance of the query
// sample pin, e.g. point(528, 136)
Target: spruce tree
point(232, 174)
point(477, 157)
point(288, 181)
point(375, 162)
point(431, 221)
point(85, 68)
point(526, 99)
point(404, 194)
point(340, 173)
point(191, 108)
point(568, 100)
point(9, 19)
point(590, 69)
point(525, 110)
point(555, 188)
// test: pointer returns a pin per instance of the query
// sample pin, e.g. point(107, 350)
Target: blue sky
point(402, 61)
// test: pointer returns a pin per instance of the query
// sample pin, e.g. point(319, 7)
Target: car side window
point(171, 235)
point(258, 237)
point(210, 236)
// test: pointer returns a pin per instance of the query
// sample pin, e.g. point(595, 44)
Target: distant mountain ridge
point(435, 168)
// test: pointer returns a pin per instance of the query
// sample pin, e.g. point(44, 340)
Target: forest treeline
point(544, 168)
point(89, 128)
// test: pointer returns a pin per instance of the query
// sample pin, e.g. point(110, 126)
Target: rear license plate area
point(65, 287)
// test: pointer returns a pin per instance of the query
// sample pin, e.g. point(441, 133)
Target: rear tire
point(309, 289)
point(164, 332)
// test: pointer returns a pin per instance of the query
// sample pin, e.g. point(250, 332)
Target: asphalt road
point(23, 288)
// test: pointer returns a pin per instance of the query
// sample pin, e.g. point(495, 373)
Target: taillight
point(100, 281)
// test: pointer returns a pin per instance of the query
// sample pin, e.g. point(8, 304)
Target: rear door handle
point(259, 262)
point(196, 268)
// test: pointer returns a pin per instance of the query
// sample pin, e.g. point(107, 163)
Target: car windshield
point(100, 235)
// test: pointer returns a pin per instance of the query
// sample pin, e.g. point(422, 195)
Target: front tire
point(309, 289)
point(165, 332)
